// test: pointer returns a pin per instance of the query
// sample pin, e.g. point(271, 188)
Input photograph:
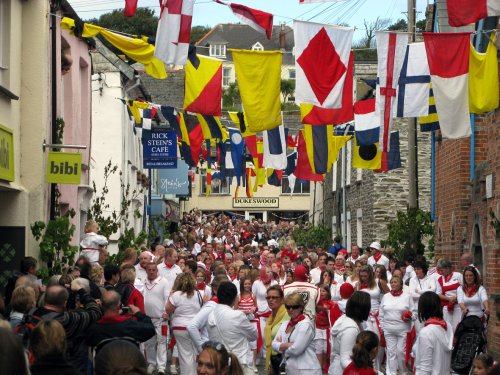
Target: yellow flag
point(338, 141)
point(245, 132)
point(137, 49)
point(366, 157)
point(259, 79)
point(483, 79)
point(203, 86)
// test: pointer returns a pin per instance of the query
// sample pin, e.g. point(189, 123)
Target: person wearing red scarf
point(201, 284)
point(327, 313)
point(432, 349)
point(363, 353)
point(377, 256)
point(472, 297)
point(320, 267)
point(295, 337)
point(446, 288)
point(395, 319)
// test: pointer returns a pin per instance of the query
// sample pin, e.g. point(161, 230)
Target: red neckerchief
point(233, 277)
point(169, 265)
point(448, 278)
point(470, 290)
point(340, 268)
point(293, 322)
point(201, 286)
point(364, 286)
point(377, 256)
point(215, 299)
point(398, 293)
point(322, 268)
point(436, 321)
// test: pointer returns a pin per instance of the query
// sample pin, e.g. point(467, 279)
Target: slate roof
point(241, 36)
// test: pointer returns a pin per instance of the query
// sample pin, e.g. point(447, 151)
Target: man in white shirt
point(321, 266)
point(377, 256)
point(355, 254)
point(231, 327)
point(466, 260)
point(155, 298)
point(140, 269)
point(168, 269)
point(309, 292)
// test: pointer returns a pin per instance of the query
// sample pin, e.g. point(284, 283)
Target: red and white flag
point(465, 12)
point(256, 19)
point(391, 51)
point(174, 31)
point(322, 58)
point(448, 56)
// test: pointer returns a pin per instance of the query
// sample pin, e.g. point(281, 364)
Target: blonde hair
point(127, 274)
point(23, 298)
point(96, 274)
point(90, 225)
point(185, 283)
point(294, 299)
point(48, 338)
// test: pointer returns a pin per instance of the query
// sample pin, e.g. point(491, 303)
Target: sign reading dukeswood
point(256, 202)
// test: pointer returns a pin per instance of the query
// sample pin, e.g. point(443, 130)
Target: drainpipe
point(433, 174)
point(53, 38)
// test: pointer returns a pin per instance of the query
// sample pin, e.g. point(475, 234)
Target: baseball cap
point(346, 290)
point(301, 273)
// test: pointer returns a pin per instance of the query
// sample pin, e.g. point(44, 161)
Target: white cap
point(375, 245)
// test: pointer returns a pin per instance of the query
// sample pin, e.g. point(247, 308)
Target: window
point(226, 76)
point(359, 227)
point(257, 47)
point(359, 174)
point(218, 50)
point(291, 74)
point(299, 188)
point(218, 187)
point(4, 41)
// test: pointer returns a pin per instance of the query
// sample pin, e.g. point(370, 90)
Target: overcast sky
point(207, 12)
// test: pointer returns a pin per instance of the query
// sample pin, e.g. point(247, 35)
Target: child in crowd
point(92, 243)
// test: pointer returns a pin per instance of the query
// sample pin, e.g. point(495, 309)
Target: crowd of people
point(227, 296)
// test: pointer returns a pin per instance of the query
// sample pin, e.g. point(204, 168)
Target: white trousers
point(371, 325)
point(396, 352)
point(262, 327)
point(156, 347)
point(453, 317)
point(187, 352)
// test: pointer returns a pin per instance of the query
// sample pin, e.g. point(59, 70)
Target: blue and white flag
point(274, 148)
point(237, 153)
point(413, 84)
point(366, 122)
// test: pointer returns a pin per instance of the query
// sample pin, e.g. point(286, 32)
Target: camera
point(125, 310)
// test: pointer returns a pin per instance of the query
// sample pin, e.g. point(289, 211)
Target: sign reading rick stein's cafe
point(256, 202)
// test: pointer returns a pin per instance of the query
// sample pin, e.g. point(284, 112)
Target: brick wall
point(462, 209)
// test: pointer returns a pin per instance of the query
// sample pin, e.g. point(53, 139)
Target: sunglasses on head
point(272, 297)
point(292, 307)
point(213, 344)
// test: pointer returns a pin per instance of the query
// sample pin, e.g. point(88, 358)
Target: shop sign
point(6, 154)
point(256, 202)
point(64, 168)
point(159, 149)
point(174, 181)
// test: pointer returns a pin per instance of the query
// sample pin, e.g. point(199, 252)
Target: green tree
point(408, 230)
point(231, 100)
point(287, 88)
point(198, 32)
point(320, 235)
point(110, 221)
point(55, 243)
point(144, 22)
point(400, 25)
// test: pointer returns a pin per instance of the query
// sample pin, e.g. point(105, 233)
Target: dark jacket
point(138, 326)
point(51, 365)
point(78, 321)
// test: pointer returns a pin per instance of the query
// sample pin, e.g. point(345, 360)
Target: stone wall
point(378, 195)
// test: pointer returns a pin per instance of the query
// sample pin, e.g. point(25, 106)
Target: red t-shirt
point(353, 370)
point(136, 299)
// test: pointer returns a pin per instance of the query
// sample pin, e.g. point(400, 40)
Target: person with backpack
point(130, 295)
point(75, 322)
point(114, 323)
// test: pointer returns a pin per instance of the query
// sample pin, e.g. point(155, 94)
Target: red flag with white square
point(174, 31)
point(322, 58)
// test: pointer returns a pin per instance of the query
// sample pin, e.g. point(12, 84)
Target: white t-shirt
point(185, 308)
point(474, 303)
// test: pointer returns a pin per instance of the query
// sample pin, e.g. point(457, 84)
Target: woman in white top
point(345, 330)
point(368, 283)
point(294, 339)
point(182, 306)
point(472, 297)
point(432, 350)
point(395, 320)
point(446, 288)
point(420, 284)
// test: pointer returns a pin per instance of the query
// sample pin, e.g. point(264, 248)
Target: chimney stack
point(282, 37)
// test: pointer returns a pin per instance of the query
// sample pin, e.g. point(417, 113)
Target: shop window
point(218, 186)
